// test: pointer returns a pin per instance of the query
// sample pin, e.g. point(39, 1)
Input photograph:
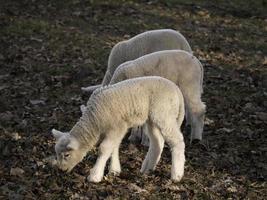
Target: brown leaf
point(136, 188)
point(36, 102)
point(262, 116)
point(16, 171)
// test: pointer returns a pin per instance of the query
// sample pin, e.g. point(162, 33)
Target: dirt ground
point(49, 49)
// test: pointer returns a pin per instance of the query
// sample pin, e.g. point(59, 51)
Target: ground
point(49, 49)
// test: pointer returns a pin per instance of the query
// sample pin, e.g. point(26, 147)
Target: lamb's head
point(68, 150)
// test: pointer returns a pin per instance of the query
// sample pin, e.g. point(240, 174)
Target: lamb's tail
point(91, 88)
point(181, 113)
point(202, 75)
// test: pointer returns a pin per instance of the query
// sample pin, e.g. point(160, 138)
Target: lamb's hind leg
point(136, 134)
point(145, 133)
point(155, 149)
point(139, 133)
point(175, 140)
point(115, 167)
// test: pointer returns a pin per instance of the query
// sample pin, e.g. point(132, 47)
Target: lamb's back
point(133, 93)
point(155, 40)
point(173, 65)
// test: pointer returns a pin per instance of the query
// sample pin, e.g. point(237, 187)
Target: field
point(50, 49)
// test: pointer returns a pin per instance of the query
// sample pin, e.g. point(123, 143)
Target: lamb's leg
point(110, 145)
point(145, 139)
point(136, 134)
point(105, 150)
point(187, 116)
point(115, 167)
point(139, 133)
point(158, 141)
point(177, 146)
point(155, 149)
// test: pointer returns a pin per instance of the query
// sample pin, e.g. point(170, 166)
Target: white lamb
point(142, 44)
point(111, 110)
point(180, 67)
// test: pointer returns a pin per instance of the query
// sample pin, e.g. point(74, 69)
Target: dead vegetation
point(49, 49)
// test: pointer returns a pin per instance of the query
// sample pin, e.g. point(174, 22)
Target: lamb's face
point(67, 151)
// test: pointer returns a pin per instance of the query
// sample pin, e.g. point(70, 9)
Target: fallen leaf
point(3, 87)
point(15, 136)
point(262, 116)
point(16, 171)
point(136, 188)
point(36, 102)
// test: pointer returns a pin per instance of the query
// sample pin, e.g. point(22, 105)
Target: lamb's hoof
point(176, 179)
point(143, 171)
point(94, 179)
point(203, 144)
point(187, 123)
point(114, 172)
point(145, 168)
point(195, 141)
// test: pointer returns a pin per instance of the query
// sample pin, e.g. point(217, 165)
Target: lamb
point(111, 110)
point(180, 67)
point(142, 44)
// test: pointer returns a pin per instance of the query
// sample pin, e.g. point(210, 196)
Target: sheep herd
point(152, 81)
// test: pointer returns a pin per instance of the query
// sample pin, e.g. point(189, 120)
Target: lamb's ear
point(73, 144)
point(57, 134)
point(83, 108)
point(90, 88)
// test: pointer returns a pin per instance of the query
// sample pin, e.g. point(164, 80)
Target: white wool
point(142, 44)
point(180, 67)
point(111, 110)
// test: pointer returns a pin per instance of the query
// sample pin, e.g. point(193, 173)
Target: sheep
point(111, 110)
point(183, 69)
point(142, 44)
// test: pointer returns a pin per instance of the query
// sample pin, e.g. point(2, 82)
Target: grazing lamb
point(111, 110)
point(142, 44)
point(180, 67)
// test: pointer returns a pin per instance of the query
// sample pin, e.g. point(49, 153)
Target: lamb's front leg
point(110, 145)
point(105, 150)
point(187, 116)
point(115, 167)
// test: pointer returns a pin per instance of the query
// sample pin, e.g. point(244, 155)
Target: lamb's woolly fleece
point(142, 44)
point(111, 104)
point(111, 110)
point(180, 67)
